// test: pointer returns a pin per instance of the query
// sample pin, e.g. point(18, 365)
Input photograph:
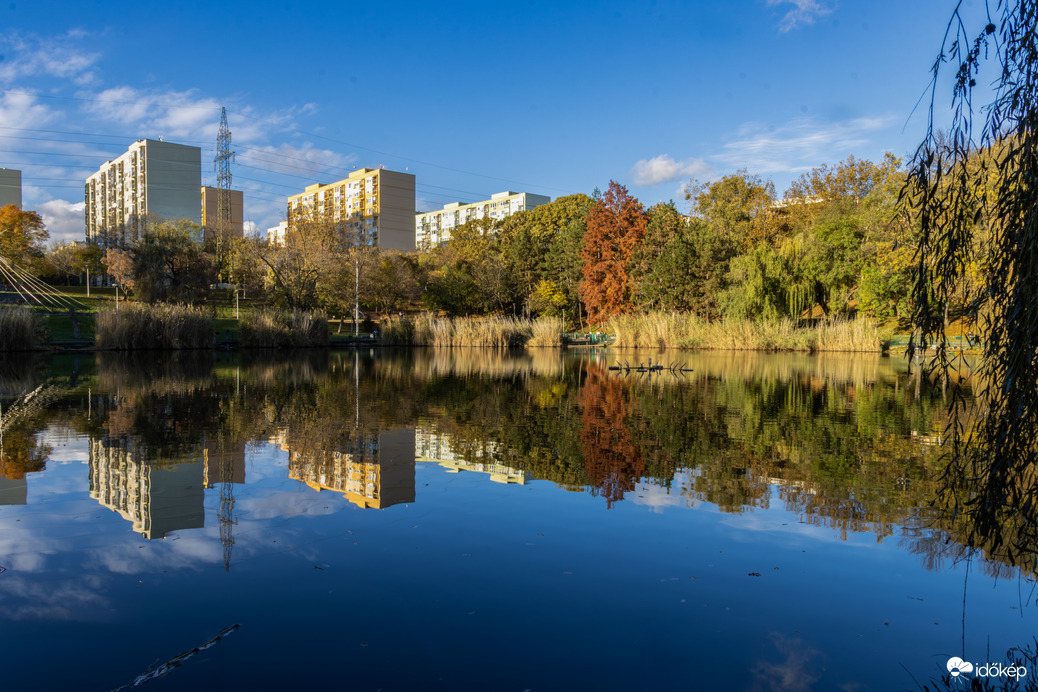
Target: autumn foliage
point(615, 227)
point(613, 461)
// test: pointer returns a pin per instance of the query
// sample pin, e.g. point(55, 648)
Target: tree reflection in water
point(849, 443)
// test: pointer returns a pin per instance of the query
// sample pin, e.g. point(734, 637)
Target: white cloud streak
point(297, 160)
point(663, 169)
point(32, 56)
point(798, 145)
point(803, 12)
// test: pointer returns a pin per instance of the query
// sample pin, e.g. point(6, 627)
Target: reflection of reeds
point(21, 329)
point(133, 326)
point(20, 373)
point(490, 332)
point(136, 374)
point(270, 368)
point(279, 329)
point(661, 330)
point(859, 369)
point(437, 362)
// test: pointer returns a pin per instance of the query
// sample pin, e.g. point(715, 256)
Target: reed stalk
point(21, 329)
point(133, 326)
point(662, 330)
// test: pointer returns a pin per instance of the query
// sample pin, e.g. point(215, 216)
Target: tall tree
point(615, 227)
point(740, 206)
point(22, 235)
point(168, 263)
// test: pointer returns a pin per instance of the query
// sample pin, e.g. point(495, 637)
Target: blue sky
point(473, 98)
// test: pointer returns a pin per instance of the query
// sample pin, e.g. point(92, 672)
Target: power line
point(290, 129)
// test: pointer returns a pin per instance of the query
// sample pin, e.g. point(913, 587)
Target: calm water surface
point(464, 521)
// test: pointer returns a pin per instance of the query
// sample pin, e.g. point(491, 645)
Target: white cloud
point(798, 145)
point(32, 56)
point(169, 114)
point(250, 228)
point(17, 109)
point(305, 160)
point(64, 220)
point(663, 169)
point(802, 12)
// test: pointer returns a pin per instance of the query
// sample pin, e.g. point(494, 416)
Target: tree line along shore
point(826, 267)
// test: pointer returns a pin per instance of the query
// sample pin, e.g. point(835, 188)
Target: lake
point(471, 520)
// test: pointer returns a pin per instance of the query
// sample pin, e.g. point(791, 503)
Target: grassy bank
point(676, 330)
point(132, 326)
point(21, 329)
point(490, 332)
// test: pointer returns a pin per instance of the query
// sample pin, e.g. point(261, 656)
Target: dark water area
point(466, 520)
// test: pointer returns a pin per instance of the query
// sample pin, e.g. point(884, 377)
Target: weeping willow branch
point(976, 185)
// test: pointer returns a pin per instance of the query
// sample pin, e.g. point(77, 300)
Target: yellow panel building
point(375, 205)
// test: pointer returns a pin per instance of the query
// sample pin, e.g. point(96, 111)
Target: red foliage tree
point(615, 227)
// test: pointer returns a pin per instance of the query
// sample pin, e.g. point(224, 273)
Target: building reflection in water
point(13, 491)
point(370, 469)
point(477, 456)
point(224, 464)
point(155, 499)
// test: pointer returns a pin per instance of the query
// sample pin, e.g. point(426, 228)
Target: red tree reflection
point(612, 461)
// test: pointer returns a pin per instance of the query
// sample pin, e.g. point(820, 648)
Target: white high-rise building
point(10, 187)
point(153, 180)
point(434, 227)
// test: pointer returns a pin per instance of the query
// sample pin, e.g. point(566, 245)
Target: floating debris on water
point(178, 660)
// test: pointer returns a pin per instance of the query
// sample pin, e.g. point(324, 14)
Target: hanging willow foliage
point(979, 179)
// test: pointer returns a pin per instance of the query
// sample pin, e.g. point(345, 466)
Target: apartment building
point(10, 187)
point(153, 180)
point(374, 204)
point(211, 211)
point(433, 228)
point(276, 234)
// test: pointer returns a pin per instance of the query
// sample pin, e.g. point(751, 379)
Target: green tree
point(170, 265)
point(528, 240)
point(758, 285)
point(739, 206)
point(564, 266)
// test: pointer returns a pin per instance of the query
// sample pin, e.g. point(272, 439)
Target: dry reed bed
point(133, 326)
point(491, 332)
point(279, 329)
point(21, 329)
point(661, 330)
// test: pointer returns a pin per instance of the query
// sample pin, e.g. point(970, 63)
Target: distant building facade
point(433, 228)
point(276, 234)
point(153, 180)
point(211, 212)
point(376, 205)
point(10, 187)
